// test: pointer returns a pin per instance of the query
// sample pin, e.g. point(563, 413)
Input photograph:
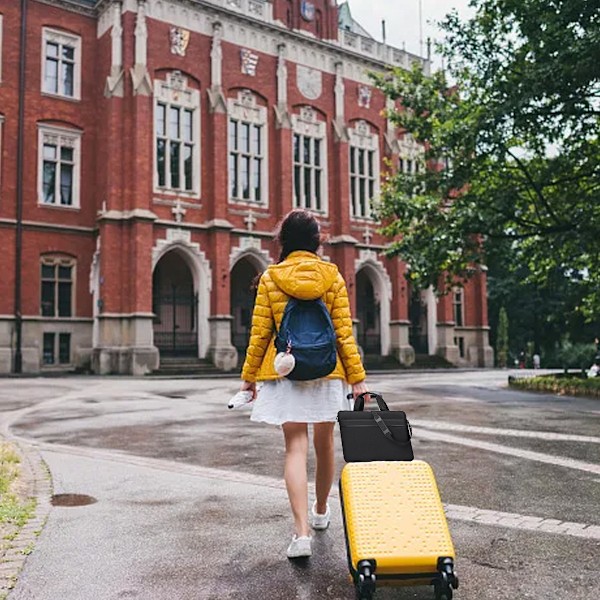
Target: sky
point(402, 19)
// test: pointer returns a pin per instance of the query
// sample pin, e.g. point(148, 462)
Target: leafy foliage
point(512, 148)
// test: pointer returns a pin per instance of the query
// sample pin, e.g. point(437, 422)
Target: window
point(458, 305)
point(248, 177)
point(460, 342)
point(364, 170)
point(309, 161)
point(57, 277)
point(177, 135)
point(411, 160)
point(59, 160)
point(57, 349)
point(61, 66)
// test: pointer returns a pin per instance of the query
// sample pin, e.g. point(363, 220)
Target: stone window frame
point(62, 38)
point(362, 138)
point(61, 137)
point(173, 91)
point(306, 124)
point(56, 261)
point(245, 110)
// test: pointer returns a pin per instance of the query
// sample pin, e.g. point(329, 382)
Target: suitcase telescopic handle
point(359, 403)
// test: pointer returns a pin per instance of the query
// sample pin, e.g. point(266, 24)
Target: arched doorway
point(174, 303)
point(417, 314)
point(242, 296)
point(368, 313)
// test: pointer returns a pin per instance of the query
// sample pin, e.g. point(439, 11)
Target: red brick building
point(147, 150)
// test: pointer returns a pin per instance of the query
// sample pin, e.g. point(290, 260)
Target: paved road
point(190, 502)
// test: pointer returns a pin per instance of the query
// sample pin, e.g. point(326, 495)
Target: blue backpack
point(307, 332)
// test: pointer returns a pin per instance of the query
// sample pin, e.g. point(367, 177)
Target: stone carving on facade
point(180, 38)
point(256, 8)
point(216, 56)
point(142, 84)
point(245, 107)
point(250, 247)
point(281, 109)
point(176, 89)
point(178, 211)
point(114, 82)
point(307, 123)
point(364, 96)
point(361, 136)
point(249, 62)
point(216, 97)
point(309, 82)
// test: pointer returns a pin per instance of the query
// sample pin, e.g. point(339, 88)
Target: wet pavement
point(190, 503)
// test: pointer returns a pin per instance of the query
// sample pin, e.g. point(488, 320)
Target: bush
point(502, 340)
point(570, 356)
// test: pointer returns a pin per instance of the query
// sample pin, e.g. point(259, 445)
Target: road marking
point(541, 435)
point(453, 511)
point(559, 461)
point(517, 521)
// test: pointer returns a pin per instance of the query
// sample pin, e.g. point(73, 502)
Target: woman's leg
point(296, 451)
point(325, 471)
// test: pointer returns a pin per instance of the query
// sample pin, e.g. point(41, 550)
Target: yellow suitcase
point(395, 526)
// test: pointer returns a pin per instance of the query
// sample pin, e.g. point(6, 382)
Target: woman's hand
point(360, 388)
point(249, 386)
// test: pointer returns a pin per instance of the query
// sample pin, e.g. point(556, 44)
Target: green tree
point(502, 339)
point(512, 147)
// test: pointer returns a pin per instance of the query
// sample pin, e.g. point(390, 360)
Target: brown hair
point(299, 230)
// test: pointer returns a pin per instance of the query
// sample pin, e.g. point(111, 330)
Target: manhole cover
point(72, 500)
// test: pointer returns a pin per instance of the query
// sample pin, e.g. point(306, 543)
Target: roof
point(347, 22)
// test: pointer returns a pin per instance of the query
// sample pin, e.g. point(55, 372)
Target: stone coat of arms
point(307, 10)
point(180, 38)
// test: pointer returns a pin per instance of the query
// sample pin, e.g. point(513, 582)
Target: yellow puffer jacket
point(305, 276)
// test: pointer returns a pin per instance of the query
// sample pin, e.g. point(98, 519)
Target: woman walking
point(301, 274)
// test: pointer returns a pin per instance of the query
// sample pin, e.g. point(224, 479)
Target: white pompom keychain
point(284, 363)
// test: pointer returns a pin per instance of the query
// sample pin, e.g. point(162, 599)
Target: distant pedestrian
point(536, 361)
point(301, 274)
point(522, 359)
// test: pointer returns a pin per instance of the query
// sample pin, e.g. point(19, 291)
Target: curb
point(36, 476)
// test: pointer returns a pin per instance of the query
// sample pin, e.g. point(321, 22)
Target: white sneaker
point(318, 521)
point(299, 547)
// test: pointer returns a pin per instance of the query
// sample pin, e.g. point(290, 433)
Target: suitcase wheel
point(447, 580)
point(365, 580)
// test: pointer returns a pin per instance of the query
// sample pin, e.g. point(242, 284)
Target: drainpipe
point(18, 364)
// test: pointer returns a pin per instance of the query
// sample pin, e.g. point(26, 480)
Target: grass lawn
point(15, 506)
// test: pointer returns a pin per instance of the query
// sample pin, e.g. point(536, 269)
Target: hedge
point(564, 386)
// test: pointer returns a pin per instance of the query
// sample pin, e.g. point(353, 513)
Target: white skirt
point(317, 401)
